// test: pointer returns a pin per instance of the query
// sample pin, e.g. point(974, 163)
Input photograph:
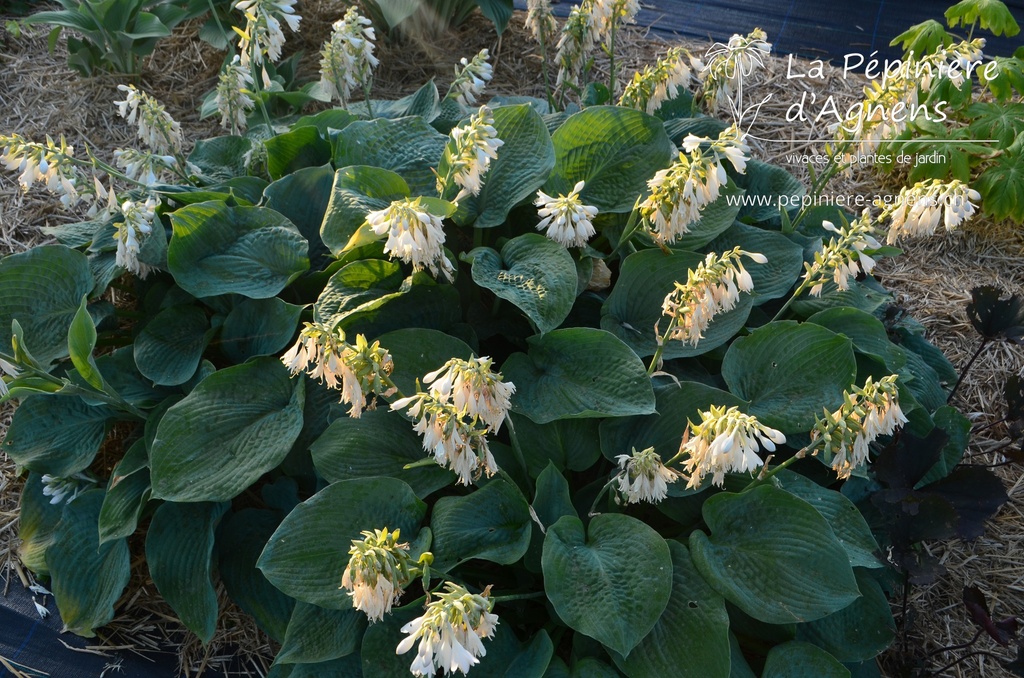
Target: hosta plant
point(498, 389)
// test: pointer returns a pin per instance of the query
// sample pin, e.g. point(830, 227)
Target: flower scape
point(466, 383)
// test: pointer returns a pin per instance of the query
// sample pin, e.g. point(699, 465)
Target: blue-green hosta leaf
point(87, 579)
point(302, 197)
point(179, 551)
point(568, 443)
point(867, 333)
point(614, 150)
point(797, 659)
point(216, 249)
point(597, 583)
point(523, 164)
point(490, 523)
point(258, 327)
point(635, 305)
point(847, 523)
point(128, 491)
point(308, 553)
point(694, 610)
point(58, 435)
point(417, 351)
point(560, 379)
point(42, 290)
point(768, 189)
point(236, 425)
point(341, 452)
point(773, 279)
point(316, 634)
point(170, 346)
point(37, 520)
point(407, 146)
point(295, 150)
point(536, 274)
point(858, 632)
point(357, 191)
point(773, 556)
point(789, 372)
point(240, 540)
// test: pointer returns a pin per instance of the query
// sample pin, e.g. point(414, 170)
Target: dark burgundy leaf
point(905, 461)
point(975, 493)
point(994, 317)
point(977, 609)
point(1013, 392)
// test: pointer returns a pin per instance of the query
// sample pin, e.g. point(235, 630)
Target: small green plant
point(981, 139)
point(115, 33)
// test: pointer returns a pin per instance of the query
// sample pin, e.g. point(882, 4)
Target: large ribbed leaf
point(635, 305)
point(536, 274)
point(216, 249)
point(87, 579)
point(773, 556)
point(58, 435)
point(236, 425)
point(179, 551)
point(407, 146)
point(614, 150)
point(491, 523)
point(561, 378)
point(308, 553)
point(600, 584)
point(170, 346)
point(42, 290)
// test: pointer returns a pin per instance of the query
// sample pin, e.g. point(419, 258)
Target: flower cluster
point(655, 85)
point(347, 59)
point(146, 168)
point(953, 62)
point(233, 100)
point(451, 632)
point(470, 81)
point(713, 287)
point(469, 154)
point(51, 164)
point(568, 221)
point(136, 225)
point(263, 35)
point(414, 235)
point(919, 209)
point(65, 490)
point(870, 123)
point(356, 370)
point(574, 45)
point(725, 441)
point(842, 258)
point(730, 64)
point(465, 401)
point(847, 433)
point(643, 477)
point(157, 129)
point(377, 572)
point(611, 15)
point(541, 22)
point(694, 180)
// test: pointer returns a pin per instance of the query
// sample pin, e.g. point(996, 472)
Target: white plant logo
point(725, 69)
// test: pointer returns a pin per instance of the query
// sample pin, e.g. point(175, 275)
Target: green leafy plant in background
point(522, 352)
point(115, 34)
point(429, 18)
point(982, 141)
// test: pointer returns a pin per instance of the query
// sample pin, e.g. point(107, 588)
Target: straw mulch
point(39, 95)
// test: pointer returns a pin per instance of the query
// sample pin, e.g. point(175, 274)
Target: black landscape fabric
point(808, 28)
